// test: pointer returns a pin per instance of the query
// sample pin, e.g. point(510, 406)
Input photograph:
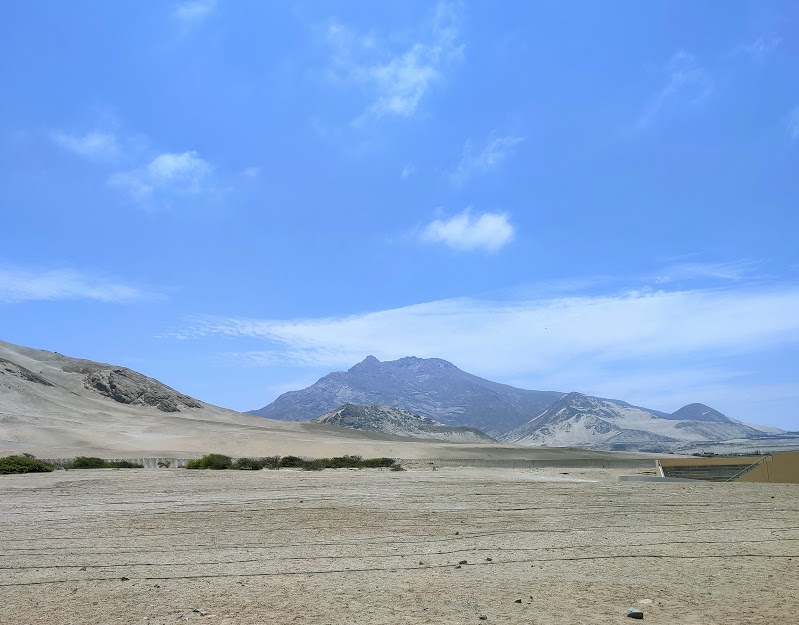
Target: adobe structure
point(779, 467)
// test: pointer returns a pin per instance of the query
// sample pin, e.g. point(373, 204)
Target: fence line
point(503, 463)
point(519, 463)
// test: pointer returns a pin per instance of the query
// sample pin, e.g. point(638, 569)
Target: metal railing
point(749, 468)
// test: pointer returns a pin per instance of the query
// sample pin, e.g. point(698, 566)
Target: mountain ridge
point(398, 422)
point(430, 387)
point(437, 389)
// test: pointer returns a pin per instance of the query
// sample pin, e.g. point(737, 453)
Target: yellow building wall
point(700, 461)
point(782, 467)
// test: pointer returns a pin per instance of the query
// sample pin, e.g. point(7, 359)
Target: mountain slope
point(377, 418)
point(55, 406)
point(577, 420)
point(430, 387)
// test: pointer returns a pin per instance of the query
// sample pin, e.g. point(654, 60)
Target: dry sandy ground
point(177, 546)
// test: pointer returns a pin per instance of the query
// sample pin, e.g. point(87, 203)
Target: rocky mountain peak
point(700, 412)
point(388, 420)
point(367, 363)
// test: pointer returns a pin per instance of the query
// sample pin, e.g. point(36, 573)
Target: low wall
point(781, 467)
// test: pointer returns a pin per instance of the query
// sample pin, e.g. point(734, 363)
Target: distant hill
point(377, 418)
point(577, 420)
point(438, 390)
point(56, 406)
point(430, 387)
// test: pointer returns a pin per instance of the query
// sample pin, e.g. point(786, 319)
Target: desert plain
point(451, 545)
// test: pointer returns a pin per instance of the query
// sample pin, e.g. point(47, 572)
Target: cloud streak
point(168, 173)
point(99, 146)
point(495, 151)
point(396, 81)
point(686, 81)
point(22, 285)
point(465, 232)
point(192, 12)
point(793, 124)
point(535, 337)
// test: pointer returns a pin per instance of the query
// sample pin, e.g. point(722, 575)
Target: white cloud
point(546, 337)
point(194, 11)
point(176, 173)
point(731, 348)
point(467, 232)
point(407, 171)
point(686, 81)
point(793, 124)
point(496, 150)
point(20, 285)
point(99, 146)
point(251, 172)
point(396, 81)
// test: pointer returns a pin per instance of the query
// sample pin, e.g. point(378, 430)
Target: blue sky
point(237, 198)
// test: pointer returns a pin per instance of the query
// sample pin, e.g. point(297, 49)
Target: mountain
point(430, 387)
point(577, 420)
point(55, 406)
point(377, 418)
point(58, 373)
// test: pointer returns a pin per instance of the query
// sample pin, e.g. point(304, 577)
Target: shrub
point(271, 462)
point(379, 463)
point(292, 462)
point(87, 462)
point(343, 462)
point(249, 464)
point(211, 461)
point(23, 464)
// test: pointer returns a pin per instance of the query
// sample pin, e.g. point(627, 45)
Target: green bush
point(211, 461)
point(218, 461)
point(291, 462)
point(249, 464)
point(379, 463)
point(23, 464)
point(87, 462)
point(343, 462)
point(271, 462)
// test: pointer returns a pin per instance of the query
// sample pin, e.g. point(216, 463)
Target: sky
point(238, 198)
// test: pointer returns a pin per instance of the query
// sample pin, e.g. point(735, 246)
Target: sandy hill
point(52, 405)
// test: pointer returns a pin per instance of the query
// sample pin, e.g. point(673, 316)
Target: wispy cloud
point(100, 146)
point(686, 81)
point(730, 271)
point(21, 285)
point(407, 171)
point(467, 232)
point(396, 81)
point(793, 124)
point(194, 11)
point(496, 150)
point(761, 47)
point(536, 337)
point(168, 173)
